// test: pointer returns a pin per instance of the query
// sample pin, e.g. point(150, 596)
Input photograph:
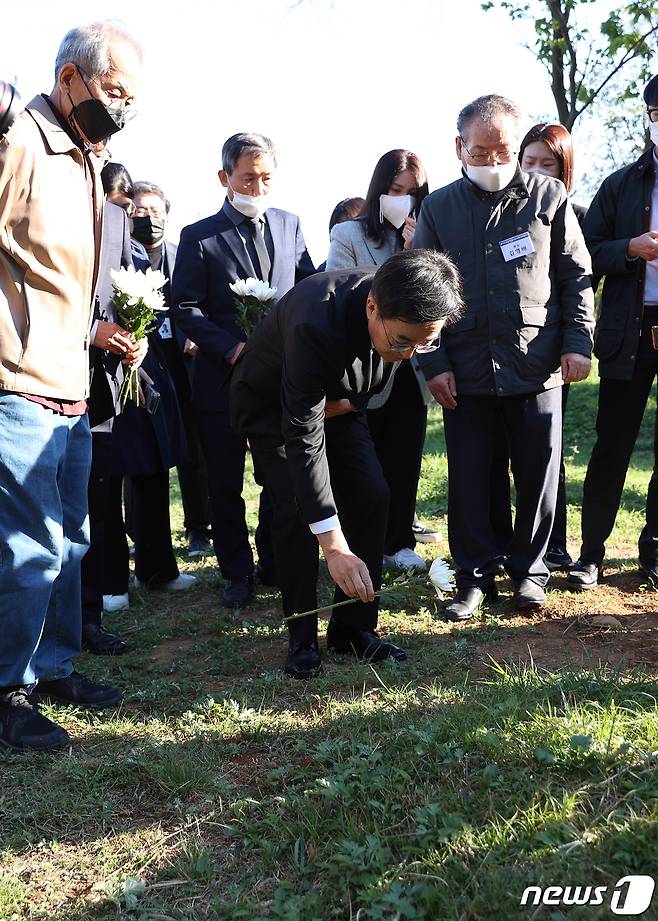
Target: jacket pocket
point(539, 315)
point(609, 334)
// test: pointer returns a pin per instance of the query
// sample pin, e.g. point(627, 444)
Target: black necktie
point(261, 248)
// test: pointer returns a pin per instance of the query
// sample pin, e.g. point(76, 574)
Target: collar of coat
point(517, 190)
point(52, 128)
point(645, 162)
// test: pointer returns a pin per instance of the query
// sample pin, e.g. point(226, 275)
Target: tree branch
point(631, 53)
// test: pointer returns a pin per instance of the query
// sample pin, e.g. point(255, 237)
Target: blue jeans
point(44, 533)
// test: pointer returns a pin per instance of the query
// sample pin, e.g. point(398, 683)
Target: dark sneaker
point(23, 728)
point(77, 690)
point(198, 544)
point(424, 534)
point(237, 592)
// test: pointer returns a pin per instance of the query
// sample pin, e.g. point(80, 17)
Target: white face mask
point(492, 178)
point(653, 131)
point(396, 208)
point(250, 205)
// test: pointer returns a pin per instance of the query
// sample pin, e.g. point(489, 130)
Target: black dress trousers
point(104, 493)
point(398, 431)
point(361, 495)
point(532, 424)
point(192, 476)
point(501, 499)
point(620, 412)
point(225, 453)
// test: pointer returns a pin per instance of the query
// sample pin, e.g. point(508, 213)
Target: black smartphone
point(151, 399)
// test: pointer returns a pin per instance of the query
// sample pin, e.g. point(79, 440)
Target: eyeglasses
point(652, 113)
point(421, 349)
point(504, 155)
point(118, 104)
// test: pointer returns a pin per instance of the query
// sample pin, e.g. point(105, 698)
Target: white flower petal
point(441, 576)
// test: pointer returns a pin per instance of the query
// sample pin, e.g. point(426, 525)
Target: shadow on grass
point(435, 803)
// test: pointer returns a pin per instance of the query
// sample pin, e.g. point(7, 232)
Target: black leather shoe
point(238, 592)
point(77, 690)
point(557, 559)
point(266, 576)
point(303, 660)
point(467, 600)
point(528, 596)
point(650, 572)
point(23, 728)
point(584, 576)
point(101, 642)
point(364, 644)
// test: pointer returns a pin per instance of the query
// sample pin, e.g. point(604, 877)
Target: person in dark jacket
point(299, 394)
point(526, 331)
point(621, 229)
point(149, 227)
point(145, 442)
point(245, 239)
point(546, 149)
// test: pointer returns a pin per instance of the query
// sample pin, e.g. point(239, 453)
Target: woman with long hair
point(398, 417)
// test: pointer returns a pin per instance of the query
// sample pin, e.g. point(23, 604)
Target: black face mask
point(96, 121)
point(148, 230)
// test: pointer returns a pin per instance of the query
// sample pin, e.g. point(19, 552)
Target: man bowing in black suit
point(299, 393)
point(245, 239)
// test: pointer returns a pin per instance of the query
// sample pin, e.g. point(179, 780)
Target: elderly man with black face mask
point(527, 329)
point(51, 206)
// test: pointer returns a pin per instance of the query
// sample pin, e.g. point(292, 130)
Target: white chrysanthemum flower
point(138, 284)
point(253, 287)
point(442, 577)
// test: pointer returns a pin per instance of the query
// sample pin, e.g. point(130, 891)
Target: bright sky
point(334, 84)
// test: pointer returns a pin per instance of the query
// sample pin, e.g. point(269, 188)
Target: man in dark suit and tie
point(299, 393)
point(245, 239)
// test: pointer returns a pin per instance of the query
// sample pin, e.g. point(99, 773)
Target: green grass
point(436, 789)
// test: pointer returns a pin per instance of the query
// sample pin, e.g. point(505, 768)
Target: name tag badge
point(165, 329)
point(515, 247)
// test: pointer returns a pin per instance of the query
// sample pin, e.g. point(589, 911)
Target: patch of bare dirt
point(615, 624)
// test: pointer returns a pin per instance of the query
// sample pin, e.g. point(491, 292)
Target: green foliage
point(249, 311)
point(137, 318)
point(588, 65)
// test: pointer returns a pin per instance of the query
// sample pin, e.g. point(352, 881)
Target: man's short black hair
point(116, 178)
point(418, 286)
point(651, 92)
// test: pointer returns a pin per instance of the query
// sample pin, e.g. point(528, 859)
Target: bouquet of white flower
point(137, 299)
point(253, 299)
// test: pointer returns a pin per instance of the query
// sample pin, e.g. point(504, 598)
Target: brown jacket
point(49, 236)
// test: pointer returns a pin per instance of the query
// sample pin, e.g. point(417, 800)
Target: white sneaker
point(180, 584)
point(116, 603)
point(405, 559)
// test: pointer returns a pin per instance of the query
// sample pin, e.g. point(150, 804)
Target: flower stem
point(339, 604)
